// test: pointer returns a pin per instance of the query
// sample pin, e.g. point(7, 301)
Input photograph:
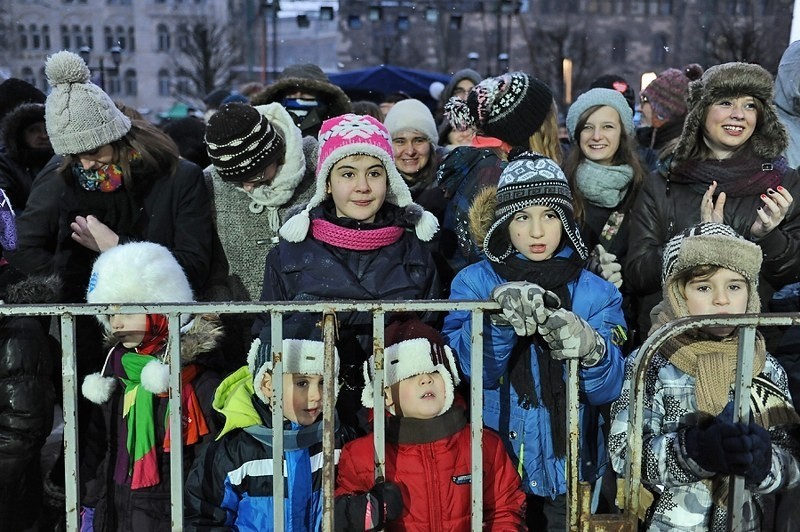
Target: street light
point(473, 60)
point(270, 9)
point(116, 57)
point(502, 63)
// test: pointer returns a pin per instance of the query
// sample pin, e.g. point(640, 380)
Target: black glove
point(369, 511)
point(722, 447)
point(761, 448)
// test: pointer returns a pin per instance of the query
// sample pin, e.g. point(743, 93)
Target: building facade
point(172, 51)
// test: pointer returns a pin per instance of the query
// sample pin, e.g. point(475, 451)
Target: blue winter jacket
point(526, 432)
point(230, 485)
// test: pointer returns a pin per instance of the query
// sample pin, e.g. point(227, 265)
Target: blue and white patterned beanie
point(531, 179)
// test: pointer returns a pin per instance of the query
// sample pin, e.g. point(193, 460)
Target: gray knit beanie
point(595, 97)
point(411, 115)
point(80, 117)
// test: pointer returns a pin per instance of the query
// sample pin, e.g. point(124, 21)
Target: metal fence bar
point(70, 406)
point(378, 412)
point(328, 425)
point(634, 450)
point(476, 420)
point(573, 438)
point(175, 422)
point(737, 494)
point(278, 491)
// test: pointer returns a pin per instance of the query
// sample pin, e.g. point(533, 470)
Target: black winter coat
point(28, 360)
point(174, 211)
point(664, 208)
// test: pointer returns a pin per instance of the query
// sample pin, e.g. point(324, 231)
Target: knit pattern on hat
point(412, 348)
point(710, 243)
point(241, 142)
point(597, 97)
point(348, 135)
point(618, 84)
point(667, 93)
point(511, 107)
point(304, 357)
point(79, 116)
point(732, 80)
point(528, 180)
point(140, 273)
point(411, 115)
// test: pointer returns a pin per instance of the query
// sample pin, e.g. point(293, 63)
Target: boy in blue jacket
point(553, 310)
point(230, 485)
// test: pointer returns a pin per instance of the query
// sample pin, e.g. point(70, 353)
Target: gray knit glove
point(570, 337)
point(522, 304)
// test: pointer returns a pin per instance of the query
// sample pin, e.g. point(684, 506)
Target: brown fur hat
point(730, 80)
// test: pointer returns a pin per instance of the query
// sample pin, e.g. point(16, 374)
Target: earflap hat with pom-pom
point(352, 134)
point(304, 357)
point(413, 348)
point(79, 116)
point(138, 273)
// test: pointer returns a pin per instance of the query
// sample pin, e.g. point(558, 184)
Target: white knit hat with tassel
point(352, 134)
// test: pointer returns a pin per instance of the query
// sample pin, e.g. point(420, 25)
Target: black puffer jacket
point(28, 360)
point(664, 208)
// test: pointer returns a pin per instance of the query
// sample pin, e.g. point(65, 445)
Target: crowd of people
point(589, 241)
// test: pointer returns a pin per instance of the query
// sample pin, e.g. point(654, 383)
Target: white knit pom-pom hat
point(352, 134)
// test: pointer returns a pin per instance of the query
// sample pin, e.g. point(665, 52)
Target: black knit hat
point(15, 91)
point(241, 142)
point(510, 107)
point(619, 84)
point(531, 179)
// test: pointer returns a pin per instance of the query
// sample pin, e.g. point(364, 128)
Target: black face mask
point(299, 108)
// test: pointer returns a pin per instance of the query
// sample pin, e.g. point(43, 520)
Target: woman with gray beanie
point(727, 167)
point(116, 181)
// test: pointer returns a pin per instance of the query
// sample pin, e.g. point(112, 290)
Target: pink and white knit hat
point(353, 134)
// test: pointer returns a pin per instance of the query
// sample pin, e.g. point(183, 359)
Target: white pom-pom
point(296, 228)
point(427, 226)
point(66, 67)
point(155, 377)
point(98, 389)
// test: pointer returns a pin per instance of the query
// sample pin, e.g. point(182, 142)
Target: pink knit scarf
point(355, 239)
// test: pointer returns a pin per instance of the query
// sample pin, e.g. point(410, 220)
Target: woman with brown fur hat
point(727, 167)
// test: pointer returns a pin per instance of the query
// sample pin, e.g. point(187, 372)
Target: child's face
point(302, 396)
point(723, 292)
point(419, 397)
point(536, 232)
point(358, 186)
point(128, 329)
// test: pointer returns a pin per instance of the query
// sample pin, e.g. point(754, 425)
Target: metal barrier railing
point(747, 325)
point(577, 495)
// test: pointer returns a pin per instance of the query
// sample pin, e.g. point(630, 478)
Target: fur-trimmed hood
point(13, 125)
point(481, 214)
point(733, 80)
point(306, 78)
point(35, 289)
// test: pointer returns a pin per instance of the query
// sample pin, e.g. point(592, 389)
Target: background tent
point(374, 83)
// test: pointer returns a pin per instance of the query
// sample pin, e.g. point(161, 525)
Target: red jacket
point(430, 461)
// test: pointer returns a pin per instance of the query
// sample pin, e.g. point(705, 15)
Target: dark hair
point(625, 155)
point(701, 271)
point(189, 135)
point(368, 108)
